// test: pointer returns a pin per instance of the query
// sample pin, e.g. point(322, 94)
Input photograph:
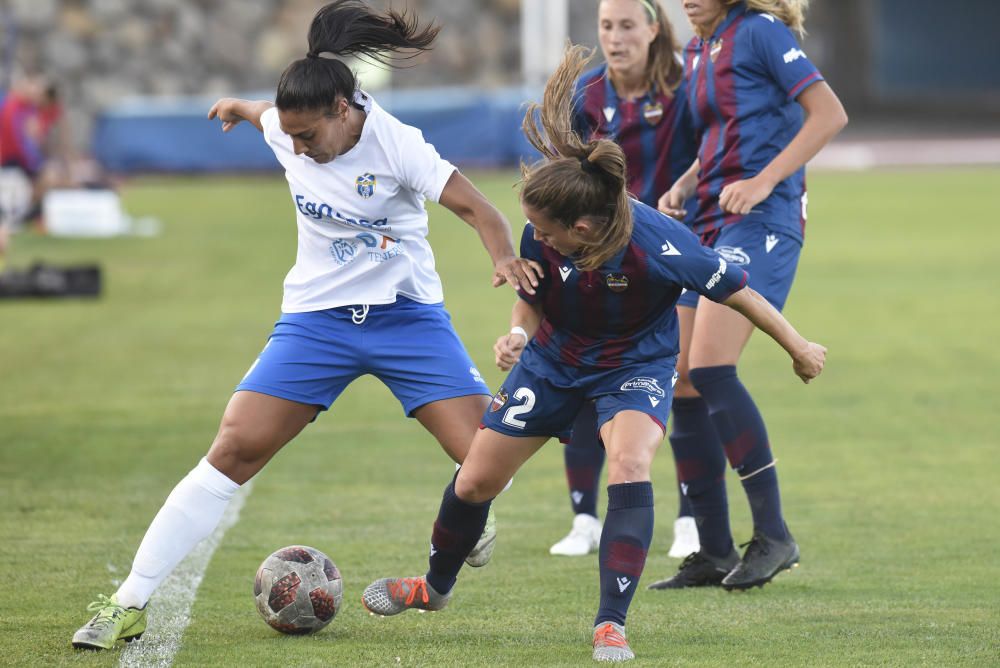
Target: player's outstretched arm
point(231, 111)
point(466, 202)
point(524, 321)
point(808, 358)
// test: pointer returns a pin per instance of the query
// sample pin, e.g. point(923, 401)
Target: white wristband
point(520, 330)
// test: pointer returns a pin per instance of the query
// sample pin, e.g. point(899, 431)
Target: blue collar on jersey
point(737, 10)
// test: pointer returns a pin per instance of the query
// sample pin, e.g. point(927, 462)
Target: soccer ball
point(298, 590)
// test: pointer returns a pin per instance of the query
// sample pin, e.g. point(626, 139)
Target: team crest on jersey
point(499, 399)
point(644, 384)
point(366, 185)
point(733, 254)
point(715, 49)
point(652, 112)
point(616, 282)
point(343, 251)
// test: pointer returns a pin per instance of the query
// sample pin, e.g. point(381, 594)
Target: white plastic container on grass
point(84, 213)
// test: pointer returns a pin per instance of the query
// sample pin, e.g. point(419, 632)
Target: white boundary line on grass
point(171, 604)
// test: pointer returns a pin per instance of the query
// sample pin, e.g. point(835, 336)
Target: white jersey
point(361, 218)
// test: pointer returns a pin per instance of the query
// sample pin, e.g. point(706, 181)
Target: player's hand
point(520, 273)
point(508, 349)
point(672, 203)
point(742, 196)
point(225, 111)
point(809, 363)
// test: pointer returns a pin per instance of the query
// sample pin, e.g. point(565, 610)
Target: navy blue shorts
point(542, 398)
point(768, 254)
point(411, 347)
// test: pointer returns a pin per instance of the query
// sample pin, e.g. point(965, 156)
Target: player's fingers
point(498, 280)
point(532, 271)
point(517, 284)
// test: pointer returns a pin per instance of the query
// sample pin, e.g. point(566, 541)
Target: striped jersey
point(623, 312)
point(655, 131)
point(742, 85)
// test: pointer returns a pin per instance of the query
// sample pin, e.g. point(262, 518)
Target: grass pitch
point(887, 462)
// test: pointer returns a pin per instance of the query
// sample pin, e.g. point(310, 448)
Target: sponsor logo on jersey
point(733, 254)
point(499, 399)
point(793, 54)
point(617, 282)
point(717, 276)
point(565, 272)
point(324, 211)
point(644, 384)
point(366, 185)
point(770, 241)
point(381, 247)
point(343, 251)
point(652, 112)
point(715, 49)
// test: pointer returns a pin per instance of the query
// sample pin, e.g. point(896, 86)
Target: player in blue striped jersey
point(602, 328)
point(636, 99)
point(748, 83)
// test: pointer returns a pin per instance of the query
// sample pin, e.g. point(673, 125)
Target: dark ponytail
point(348, 28)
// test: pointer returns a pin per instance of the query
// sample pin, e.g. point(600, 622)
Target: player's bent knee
point(472, 490)
point(629, 466)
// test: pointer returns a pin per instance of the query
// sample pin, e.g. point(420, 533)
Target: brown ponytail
point(576, 179)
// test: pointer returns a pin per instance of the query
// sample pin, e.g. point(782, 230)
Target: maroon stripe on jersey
point(663, 173)
point(731, 166)
point(630, 139)
point(634, 305)
point(626, 558)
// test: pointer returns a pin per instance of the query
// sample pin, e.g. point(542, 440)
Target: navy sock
point(456, 531)
point(584, 457)
point(701, 471)
point(744, 436)
point(684, 508)
point(628, 531)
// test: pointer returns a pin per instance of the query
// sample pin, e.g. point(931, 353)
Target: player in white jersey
point(362, 298)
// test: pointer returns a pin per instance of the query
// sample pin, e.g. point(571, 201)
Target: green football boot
point(112, 622)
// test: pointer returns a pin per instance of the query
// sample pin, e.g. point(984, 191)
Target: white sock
point(189, 515)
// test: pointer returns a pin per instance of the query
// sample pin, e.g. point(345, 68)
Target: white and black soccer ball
point(298, 590)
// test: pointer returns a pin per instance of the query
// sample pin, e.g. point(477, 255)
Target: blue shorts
point(411, 347)
point(768, 253)
point(542, 398)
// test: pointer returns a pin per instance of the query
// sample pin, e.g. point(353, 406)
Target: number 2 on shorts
point(510, 415)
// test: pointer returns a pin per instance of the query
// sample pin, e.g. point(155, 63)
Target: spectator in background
point(33, 140)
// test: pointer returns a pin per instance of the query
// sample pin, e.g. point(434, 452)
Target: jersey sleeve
point(682, 260)
point(532, 250)
point(271, 126)
point(779, 53)
point(418, 165)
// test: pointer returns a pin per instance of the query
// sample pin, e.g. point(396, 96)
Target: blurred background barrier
point(468, 126)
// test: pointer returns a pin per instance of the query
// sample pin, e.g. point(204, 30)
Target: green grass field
point(888, 461)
